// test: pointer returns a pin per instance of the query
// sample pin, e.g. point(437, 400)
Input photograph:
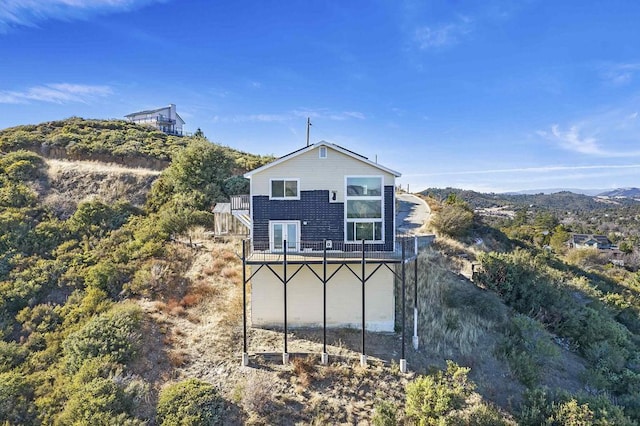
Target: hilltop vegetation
point(116, 141)
point(70, 328)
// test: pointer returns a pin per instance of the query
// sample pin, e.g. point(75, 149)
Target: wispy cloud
point(619, 74)
point(529, 170)
point(17, 13)
point(59, 93)
point(610, 134)
point(438, 36)
point(320, 114)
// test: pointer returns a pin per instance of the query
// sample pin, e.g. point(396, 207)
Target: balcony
point(335, 252)
point(240, 202)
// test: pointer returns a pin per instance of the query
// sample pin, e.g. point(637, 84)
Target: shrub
point(257, 394)
point(16, 394)
point(11, 355)
point(114, 333)
point(98, 402)
point(191, 402)
point(541, 407)
point(454, 220)
point(526, 346)
point(385, 414)
point(430, 398)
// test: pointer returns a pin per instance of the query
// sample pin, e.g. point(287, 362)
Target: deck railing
point(315, 250)
point(240, 202)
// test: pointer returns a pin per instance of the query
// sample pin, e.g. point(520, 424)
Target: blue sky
point(492, 96)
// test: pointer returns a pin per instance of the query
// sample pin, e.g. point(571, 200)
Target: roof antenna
point(308, 127)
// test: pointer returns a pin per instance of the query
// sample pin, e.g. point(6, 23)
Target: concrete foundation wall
point(304, 298)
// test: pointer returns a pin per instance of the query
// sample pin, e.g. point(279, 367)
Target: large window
point(364, 209)
point(285, 189)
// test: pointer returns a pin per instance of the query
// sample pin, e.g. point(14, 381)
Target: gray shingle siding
point(325, 220)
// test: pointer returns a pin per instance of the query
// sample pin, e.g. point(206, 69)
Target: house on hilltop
point(322, 230)
point(164, 119)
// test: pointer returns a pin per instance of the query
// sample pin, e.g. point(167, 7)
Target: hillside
point(110, 314)
point(557, 202)
point(109, 141)
point(622, 192)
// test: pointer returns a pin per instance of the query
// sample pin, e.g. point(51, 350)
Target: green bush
point(430, 398)
point(99, 402)
point(454, 220)
point(385, 414)
point(16, 396)
point(541, 407)
point(12, 354)
point(190, 403)
point(115, 333)
point(22, 166)
point(526, 346)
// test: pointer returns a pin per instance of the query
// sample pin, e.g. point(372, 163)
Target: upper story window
point(364, 186)
point(285, 189)
point(364, 209)
point(322, 152)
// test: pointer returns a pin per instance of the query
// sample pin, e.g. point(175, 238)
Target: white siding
point(318, 173)
point(304, 299)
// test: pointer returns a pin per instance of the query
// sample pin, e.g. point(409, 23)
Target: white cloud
point(433, 37)
point(537, 170)
point(620, 74)
point(612, 133)
point(59, 93)
point(16, 13)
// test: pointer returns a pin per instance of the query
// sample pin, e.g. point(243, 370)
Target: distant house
point(165, 119)
point(600, 242)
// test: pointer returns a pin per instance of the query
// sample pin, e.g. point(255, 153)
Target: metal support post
point(285, 353)
point(245, 353)
point(324, 358)
point(403, 359)
point(415, 300)
point(363, 356)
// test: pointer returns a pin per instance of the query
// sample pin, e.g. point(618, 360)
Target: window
point(323, 152)
point(364, 211)
point(279, 232)
point(285, 189)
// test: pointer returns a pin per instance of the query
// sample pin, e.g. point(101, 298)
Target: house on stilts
point(323, 249)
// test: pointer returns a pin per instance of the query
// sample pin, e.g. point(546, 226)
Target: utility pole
point(308, 127)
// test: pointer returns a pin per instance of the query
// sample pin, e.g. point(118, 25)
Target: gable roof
point(588, 238)
point(148, 111)
point(338, 148)
point(153, 111)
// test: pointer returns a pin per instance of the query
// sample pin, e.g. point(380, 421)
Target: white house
point(165, 119)
point(322, 227)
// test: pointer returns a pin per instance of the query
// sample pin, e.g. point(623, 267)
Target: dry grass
point(177, 358)
point(59, 166)
point(257, 394)
point(304, 370)
point(454, 314)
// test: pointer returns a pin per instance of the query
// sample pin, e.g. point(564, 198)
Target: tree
point(198, 171)
point(558, 239)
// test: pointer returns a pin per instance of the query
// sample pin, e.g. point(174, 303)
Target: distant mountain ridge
point(622, 192)
point(559, 201)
